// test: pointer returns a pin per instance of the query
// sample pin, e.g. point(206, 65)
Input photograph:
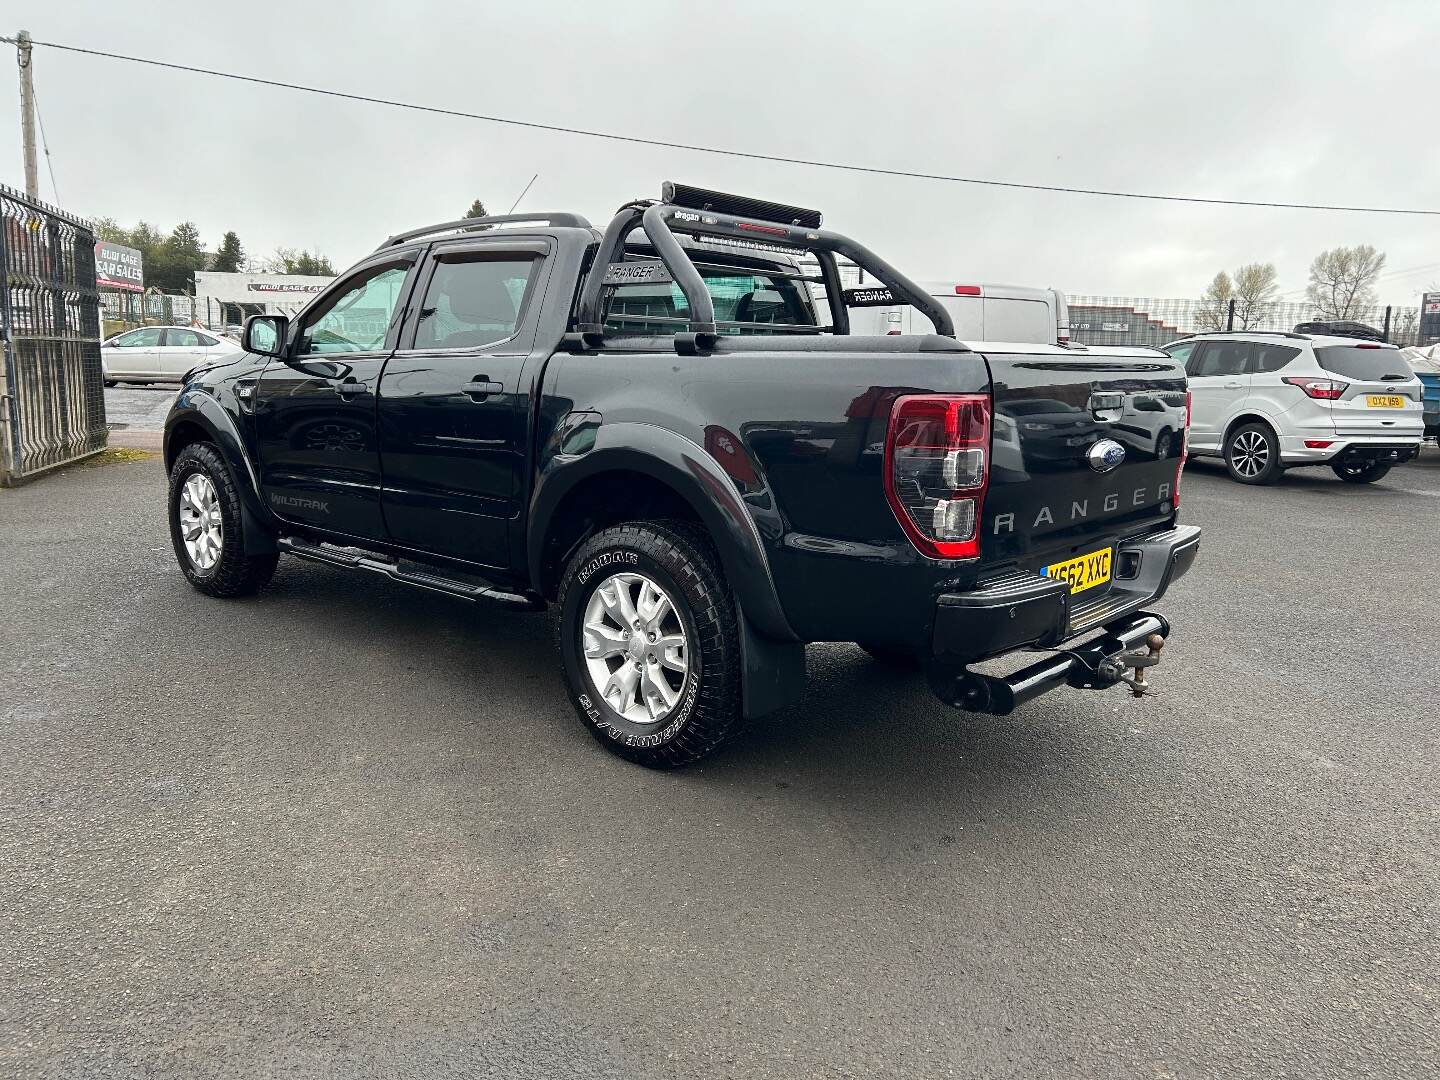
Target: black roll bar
point(661, 222)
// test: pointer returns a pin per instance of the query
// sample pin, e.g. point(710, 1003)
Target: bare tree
point(1342, 280)
point(1255, 289)
point(1215, 303)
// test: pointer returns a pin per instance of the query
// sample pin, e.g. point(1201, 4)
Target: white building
point(224, 299)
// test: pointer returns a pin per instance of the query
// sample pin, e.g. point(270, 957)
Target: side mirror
point(265, 334)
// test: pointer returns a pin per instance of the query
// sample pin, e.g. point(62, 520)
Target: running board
point(359, 559)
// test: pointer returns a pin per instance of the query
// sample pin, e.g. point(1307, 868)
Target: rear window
point(1366, 365)
point(739, 294)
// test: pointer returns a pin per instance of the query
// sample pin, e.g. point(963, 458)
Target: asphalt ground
point(347, 829)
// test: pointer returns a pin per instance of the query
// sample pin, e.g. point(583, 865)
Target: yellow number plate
point(1082, 573)
point(1385, 401)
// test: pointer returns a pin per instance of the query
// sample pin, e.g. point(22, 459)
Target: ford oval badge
point(1105, 455)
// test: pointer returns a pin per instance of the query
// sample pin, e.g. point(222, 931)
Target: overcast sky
point(1307, 101)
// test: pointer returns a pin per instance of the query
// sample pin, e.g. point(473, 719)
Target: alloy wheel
point(201, 526)
point(634, 645)
point(1249, 453)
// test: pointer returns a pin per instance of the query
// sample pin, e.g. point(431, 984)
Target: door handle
point(349, 387)
point(481, 388)
point(1233, 385)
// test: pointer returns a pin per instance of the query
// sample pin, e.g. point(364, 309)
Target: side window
point(358, 318)
point(1221, 358)
point(185, 339)
point(208, 341)
point(1270, 358)
point(147, 337)
point(473, 302)
point(1182, 353)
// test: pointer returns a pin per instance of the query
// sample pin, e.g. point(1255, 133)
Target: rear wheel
point(649, 640)
point(1252, 454)
point(1360, 472)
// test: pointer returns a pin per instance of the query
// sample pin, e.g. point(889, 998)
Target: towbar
point(1095, 665)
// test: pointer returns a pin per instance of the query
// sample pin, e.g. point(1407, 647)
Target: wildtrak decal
point(299, 502)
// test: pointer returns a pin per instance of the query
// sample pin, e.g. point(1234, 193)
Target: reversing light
point(937, 470)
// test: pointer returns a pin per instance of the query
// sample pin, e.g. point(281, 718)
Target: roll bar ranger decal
point(1080, 509)
point(878, 296)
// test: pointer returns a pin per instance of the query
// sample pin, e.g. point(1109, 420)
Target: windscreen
point(740, 294)
point(1362, 364)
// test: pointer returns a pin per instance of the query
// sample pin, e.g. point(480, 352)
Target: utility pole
point(27, 114)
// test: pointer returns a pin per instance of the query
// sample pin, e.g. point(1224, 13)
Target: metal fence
point(52, 405)
point(1133, 320)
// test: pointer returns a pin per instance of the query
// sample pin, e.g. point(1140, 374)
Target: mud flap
point(774, 671)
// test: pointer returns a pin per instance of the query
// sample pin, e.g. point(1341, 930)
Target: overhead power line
point(753, 156)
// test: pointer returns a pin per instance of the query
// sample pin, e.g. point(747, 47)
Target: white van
point(980, 313)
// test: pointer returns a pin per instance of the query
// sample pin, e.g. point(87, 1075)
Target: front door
point(1219, 383)
point(453, 416)
point(135, 354)
point(315, 409)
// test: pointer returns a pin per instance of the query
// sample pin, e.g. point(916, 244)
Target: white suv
point(1266, 402)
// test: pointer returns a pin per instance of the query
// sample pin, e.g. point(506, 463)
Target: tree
point(231, 255)
point(289, 261)
point(1215, 303)
point(174, 261)
point(1342, 280)
point(477, 209)
point(1255, 289)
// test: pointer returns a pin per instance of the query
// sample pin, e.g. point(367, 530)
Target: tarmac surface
point(347, 829)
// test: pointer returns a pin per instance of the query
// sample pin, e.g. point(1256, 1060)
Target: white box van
point(980, 313)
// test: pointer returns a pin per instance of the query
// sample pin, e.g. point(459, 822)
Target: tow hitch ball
point(1113, 668)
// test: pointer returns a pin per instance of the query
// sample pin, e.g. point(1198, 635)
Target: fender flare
point(697, 477)
point(195, 406)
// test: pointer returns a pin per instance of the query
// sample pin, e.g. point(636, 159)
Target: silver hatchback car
point(1267, 402)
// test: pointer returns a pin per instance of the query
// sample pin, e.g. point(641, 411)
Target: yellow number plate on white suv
point(1386, 401)
point(1083, 572)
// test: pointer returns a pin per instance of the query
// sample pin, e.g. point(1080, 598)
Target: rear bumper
point(1023, 610)
point(1392, 448)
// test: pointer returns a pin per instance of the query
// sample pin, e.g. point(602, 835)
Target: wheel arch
point(1248, 417)
point(667, 475)
point(198, 417)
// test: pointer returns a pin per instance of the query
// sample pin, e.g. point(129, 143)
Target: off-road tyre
point(679, 558)
point(236, 572)
point(1252, 454)
point(1361, 474)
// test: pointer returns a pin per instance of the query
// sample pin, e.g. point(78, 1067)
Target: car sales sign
point(118, 267)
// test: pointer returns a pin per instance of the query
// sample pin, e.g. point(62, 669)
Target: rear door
point(1382, 396)
point(1019, 318)
point(1219, 384)
point(453, 416)
point(180, 351)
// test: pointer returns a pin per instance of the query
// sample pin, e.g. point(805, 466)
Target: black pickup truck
point(666, 435)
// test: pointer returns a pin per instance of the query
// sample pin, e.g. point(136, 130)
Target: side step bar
point(1086, 667)
point(358, 559)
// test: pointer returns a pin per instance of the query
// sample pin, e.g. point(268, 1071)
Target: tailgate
point(1085, 450)
point(1381, 394)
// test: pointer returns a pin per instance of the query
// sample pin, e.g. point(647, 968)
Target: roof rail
point(560, 219)
point(1265, 333)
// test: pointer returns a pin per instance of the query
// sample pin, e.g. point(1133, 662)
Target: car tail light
point(1324, 389)
point(1184, 449)
point(967, 290)
point(937, 470)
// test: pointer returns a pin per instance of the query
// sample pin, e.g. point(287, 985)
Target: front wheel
point(1360, 473)
point(205, 526)
point(649, 641)
point(1252, 455)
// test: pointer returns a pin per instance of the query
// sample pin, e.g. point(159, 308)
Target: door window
point(358, 317)
point(1268, 358)
point(147, 337)
point(185, 339)
point(473, 302)
point(1221, 358)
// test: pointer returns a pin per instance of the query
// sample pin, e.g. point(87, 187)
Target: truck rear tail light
point(1184, 450)
point(937, 470)
point(1324, 389)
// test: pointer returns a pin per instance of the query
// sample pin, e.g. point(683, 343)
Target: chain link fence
point(52, 403)
point(1136, 320)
